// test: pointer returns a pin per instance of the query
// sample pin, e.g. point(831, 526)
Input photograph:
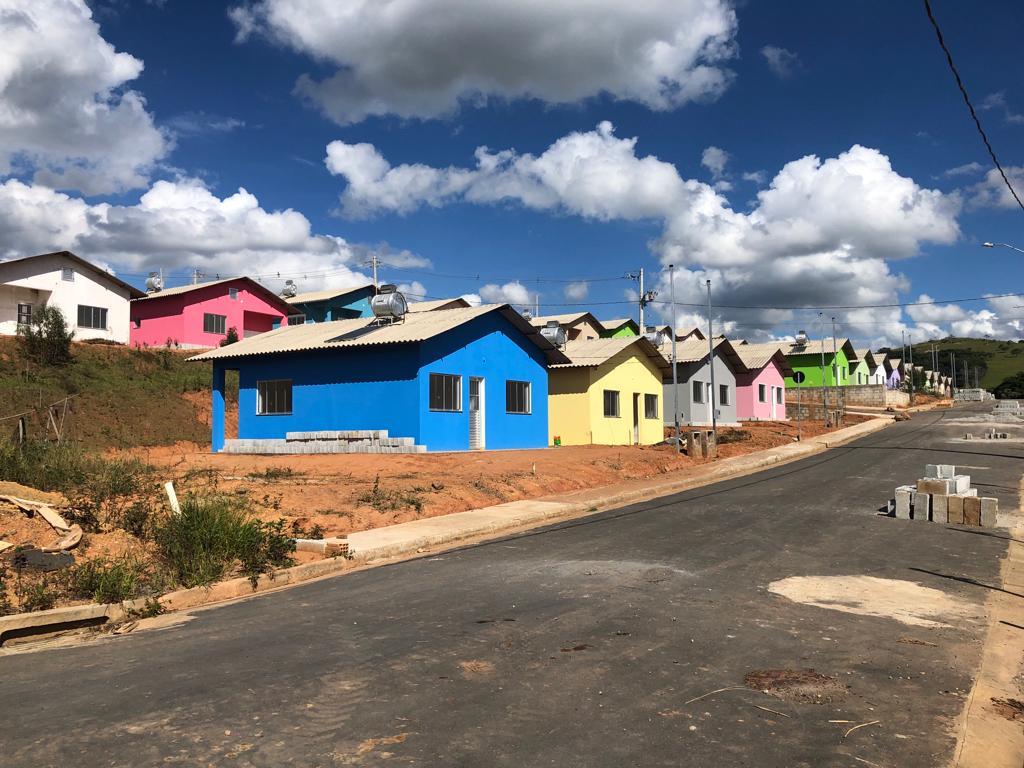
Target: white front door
point(771, 393)
point(477, 437)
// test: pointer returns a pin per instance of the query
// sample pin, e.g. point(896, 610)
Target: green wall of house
point(811, 366)
point(859, 373)
point(626, 330)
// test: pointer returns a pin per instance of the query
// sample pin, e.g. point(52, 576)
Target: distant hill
point(995, 360)
point(120, 397)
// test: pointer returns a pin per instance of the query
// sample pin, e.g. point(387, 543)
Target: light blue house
point(333, 304)
point(456, 379)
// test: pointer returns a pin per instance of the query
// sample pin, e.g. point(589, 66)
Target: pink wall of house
point(180, 316)
point(748, 404)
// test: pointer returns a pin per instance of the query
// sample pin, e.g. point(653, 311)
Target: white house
point(94, 302)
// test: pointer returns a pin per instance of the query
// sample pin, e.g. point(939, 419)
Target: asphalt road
point(580, 644)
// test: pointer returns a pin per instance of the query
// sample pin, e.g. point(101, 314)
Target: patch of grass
point(733, 436)
point(213, 536)
point(5, 601)
point(150, 608)
point(272, 474)
point(35, 595)
point(390, 499)
point(299, 531)
point(105, 580)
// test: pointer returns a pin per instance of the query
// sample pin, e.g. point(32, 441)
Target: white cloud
point(64, 111)
point(414, 291)
point(473, 299)
point(715, 159)
point(510, 293)
point(998, 319)
point(782, 62)
point(967, 169)
point(423, 58)
point(178, 225)
point(757, 177)
point(997, 101)
point(200, 123)
point(992, 192)
point(577, 291)
point(822, 232)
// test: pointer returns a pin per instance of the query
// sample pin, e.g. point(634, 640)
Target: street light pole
point(835, 369)
point(1003, 245)
point(675, 377)
point(824, 383)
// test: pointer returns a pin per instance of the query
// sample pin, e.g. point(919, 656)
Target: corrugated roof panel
point(587, 353)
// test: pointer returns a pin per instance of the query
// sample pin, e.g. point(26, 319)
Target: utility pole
point(675, 379)
point(711, 351)
point(646, 297)
point(824, 383)
point(835, 365)
point(967, 381)
point(373, 263)
point(952, 372)
point(643, 328)
point(911, 370)
point(196, 274)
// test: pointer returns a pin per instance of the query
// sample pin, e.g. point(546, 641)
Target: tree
point(1011, 388)
point(47, 339)
point(230, 338)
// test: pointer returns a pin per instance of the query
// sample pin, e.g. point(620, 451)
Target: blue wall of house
point(387, 387)
point(492, 349)
point(344, 307)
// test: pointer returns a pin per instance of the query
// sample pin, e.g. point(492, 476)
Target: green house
point(623, 326)
point(807, 357)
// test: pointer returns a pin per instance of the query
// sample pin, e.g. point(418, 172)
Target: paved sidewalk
point(395, 540)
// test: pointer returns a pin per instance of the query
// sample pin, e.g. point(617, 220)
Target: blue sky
point(833, 76)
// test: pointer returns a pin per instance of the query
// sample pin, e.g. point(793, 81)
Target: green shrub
point(35, 595)
point(107, 581)
point(5, 601)
point(212, 536)
point(231, 337)
point(47, 339)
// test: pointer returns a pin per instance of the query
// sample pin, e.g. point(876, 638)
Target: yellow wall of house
point(576, 401)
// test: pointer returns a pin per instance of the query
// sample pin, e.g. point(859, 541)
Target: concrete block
point(903, 503)
point(970, 492)
point(940, 508)
point(961, 483)
point(946, 471)
point(926, 485)
point(968, 436)
point(989, 511)
point(922, 506)
point(955, 510)
point(931, 471)
point(939, 471)
point(972, 510)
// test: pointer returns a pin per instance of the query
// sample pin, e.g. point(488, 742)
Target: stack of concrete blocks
point(943, 496)
point(991, 435)
point(328, 441)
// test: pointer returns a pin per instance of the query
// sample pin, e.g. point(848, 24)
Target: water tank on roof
point(289, 289)
point(653, 335)
point(801, 337)
point(554, 333)
point(389, 303)
point(527, 315)
point(154, 283)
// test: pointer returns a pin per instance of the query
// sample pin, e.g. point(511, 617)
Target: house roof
point(568, 319)
point(757, 356)
point(815, 347)
point(435, 304)
point(588, 353)
point(891, 363)
point(368, 331)
point(693, 350)
point(251, 285)
point(614, 325)
point(868, 357)
point(326, 295)
point(133, 292)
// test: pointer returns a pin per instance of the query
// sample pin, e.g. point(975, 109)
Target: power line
point(967, 101)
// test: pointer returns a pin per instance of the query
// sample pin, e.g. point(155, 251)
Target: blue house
point(333, 304)
point(456, 379)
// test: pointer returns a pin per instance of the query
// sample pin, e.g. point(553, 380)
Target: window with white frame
point(650, 406)
point(92, 317)
point(274, 397)
point(698, 391)
point(215, 323)
point(611, 404)
point(24, 314)
point(723, 394)
point(67, 274)
point(445, 392)
point(762, 393)
point(517, 397)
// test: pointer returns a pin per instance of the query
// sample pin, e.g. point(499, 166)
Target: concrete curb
point(408, 538)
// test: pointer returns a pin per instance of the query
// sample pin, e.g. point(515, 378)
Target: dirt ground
point(341, 494)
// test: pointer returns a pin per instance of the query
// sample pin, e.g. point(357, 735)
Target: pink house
point(199, 316)
point(761, 387)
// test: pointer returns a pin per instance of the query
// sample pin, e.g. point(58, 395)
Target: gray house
point(693, 373)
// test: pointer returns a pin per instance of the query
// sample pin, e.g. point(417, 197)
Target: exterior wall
point(583, 330)
point(625, 330)
point(748, 406)
point(39, 282)
point(894, 379)
point(387, 387)
point(179, 317)
point(491, 348)
point(344, 307)
point(877, 376)
point(859, 373)
point(811, 367)
point(698, 414)
point(576, 402)
point(871, 395)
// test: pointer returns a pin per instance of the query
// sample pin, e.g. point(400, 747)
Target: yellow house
point(610, 394)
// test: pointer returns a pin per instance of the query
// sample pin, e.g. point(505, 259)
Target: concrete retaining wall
point(872, 395)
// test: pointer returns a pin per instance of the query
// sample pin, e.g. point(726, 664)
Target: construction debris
point(70, 535)
point(942, 496)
